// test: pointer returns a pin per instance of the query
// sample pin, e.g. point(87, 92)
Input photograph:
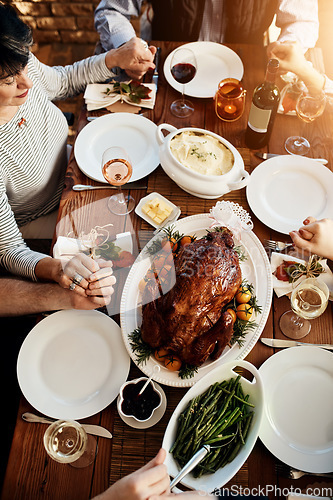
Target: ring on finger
point(72, 286)
point(144, 43)
point(77, 279)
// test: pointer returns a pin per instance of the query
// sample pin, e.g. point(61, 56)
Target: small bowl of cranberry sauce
point(139, 406)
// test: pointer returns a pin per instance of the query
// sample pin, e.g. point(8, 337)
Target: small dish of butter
point(156, 209)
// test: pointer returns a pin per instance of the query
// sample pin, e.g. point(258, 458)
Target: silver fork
point(277, 246)
point(287, 471)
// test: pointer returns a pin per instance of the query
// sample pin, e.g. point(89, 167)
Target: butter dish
point(173, 216)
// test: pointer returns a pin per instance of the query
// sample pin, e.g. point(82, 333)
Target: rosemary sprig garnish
point(169, 232)
point(188, 371)
point(240, 252)
point(241, 328)
point(141, 348)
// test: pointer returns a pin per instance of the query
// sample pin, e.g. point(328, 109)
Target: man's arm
point(112, 21)
point(19, 297)
point(298, 20)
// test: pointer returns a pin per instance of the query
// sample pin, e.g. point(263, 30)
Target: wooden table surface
point(31, 474)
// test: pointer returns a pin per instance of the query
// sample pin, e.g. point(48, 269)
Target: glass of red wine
point(117, 170)
point(183, 69)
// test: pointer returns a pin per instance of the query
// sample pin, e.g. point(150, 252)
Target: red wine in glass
point(183, 72)
point(183, 68)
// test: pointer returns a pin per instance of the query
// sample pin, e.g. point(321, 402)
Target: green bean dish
point(220, 417)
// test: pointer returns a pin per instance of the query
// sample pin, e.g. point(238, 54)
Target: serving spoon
point(156, 370)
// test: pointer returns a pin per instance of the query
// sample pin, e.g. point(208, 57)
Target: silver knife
point(266, 156)
point(281, 343)
point(96, 430)
point(157, 60)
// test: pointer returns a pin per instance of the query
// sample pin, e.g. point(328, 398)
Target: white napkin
point(95, 97)
point(284, 287)
point(65, 248)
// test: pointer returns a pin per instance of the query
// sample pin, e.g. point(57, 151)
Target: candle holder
point(229, 100)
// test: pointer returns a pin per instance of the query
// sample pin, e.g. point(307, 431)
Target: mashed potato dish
point(202, 153)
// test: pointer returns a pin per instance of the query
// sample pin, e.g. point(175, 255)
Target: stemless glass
point(308, 301)
point(117, 170)
point(183, 68)
point(309, 106)
point(68, 443)
point(229, 100)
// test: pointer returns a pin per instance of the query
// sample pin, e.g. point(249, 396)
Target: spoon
point(86, 187)
point(156, 370)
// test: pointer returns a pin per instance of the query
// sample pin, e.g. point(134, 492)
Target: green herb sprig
point(136, 91)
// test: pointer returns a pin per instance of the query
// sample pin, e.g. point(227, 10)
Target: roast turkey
point(188, 319)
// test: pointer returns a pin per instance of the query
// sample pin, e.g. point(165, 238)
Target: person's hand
point(290, 56)
point(150, 480)
point(133, 57)
point(88, 278)
point(315, 237)
point(76, 301)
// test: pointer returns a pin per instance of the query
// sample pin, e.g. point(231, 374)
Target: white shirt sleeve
point(61, 82)
point(298, 20)
point(112, 21)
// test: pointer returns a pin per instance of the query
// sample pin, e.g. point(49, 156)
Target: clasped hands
point(93, 279)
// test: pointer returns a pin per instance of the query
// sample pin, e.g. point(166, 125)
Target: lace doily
point(231, 215)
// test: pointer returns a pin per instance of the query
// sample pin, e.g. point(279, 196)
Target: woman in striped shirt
point(33, 135)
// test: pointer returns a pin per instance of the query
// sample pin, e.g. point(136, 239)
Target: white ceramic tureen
point(193, 182)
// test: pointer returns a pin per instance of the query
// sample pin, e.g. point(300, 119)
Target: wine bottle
point(265, 101)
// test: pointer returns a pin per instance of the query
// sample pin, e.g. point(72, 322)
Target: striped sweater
point(33, 155)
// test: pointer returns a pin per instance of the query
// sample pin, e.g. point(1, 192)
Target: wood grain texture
point(30, 473)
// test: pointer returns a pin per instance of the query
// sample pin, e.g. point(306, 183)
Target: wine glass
point(309, 106)
point(67, 442)
point(308, 301)
point(117, 170)
point(183, 68)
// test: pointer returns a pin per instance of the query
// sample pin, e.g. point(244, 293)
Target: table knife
point(266, 156)
point(156, 61)
point(96, 430)
point(281, 343)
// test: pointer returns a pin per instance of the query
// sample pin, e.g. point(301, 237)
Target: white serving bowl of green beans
point(223, 409)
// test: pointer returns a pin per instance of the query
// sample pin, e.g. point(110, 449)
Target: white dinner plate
point(284, 190)
point(214, 63)
point(297, 425)
point(254, 389)
point(72, 364)
point(135, 133)
point(256, 269)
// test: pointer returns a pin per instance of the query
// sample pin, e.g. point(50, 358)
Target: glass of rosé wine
point(117, 170)
point(309, 106)
point(183, 68)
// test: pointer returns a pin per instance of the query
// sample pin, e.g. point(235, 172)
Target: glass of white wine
point(309, 106)
point(68, 443)
point(308, 301)
point(117, 170)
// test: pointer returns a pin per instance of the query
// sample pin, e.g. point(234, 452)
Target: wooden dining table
point(31, 474)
